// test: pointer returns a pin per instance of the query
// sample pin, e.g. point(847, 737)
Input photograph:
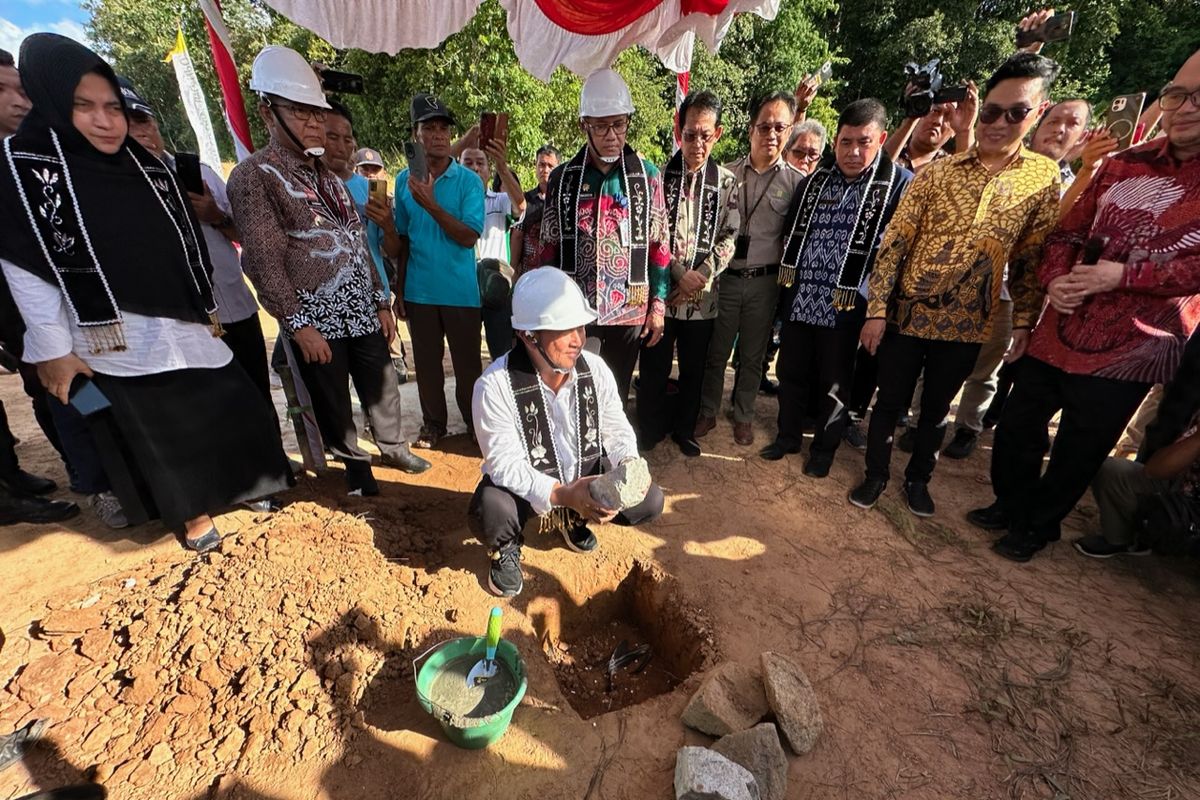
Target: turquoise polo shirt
point(360, 191)
point(441, 272)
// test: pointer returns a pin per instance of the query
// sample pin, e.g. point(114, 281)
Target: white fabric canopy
point(388, 26)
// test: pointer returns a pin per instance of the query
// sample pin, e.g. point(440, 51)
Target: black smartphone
point(418, 167)
point(336, 82)
point(86, 397)
point(1120, 121)
point(1055, 29)
point(954, 94)
point(187, 167)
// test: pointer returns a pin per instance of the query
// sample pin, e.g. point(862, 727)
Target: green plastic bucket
point(476, 732)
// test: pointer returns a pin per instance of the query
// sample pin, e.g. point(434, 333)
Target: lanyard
point(745, 223)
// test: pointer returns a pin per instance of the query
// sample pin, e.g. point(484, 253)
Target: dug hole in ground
point(282, 667)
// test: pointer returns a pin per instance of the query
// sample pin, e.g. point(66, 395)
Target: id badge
point(741, 247)
point(623, 231)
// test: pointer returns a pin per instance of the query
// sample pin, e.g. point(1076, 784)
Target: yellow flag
point(180, 46)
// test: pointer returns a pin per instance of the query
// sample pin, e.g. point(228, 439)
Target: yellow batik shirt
point(941, 266)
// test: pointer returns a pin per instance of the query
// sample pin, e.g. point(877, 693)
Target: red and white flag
point(231, 89)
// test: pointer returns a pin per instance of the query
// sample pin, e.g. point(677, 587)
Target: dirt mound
point(168, 676)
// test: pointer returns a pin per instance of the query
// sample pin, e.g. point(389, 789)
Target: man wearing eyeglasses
point(836, 222)
point(805, 146)
point(749, 288)
point(938, 275)
point(1113, 328)
point(702, 222)
point(304, 249)
point(605, 224)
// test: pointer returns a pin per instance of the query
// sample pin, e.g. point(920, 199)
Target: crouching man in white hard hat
point(304, 249)
point(549, 420)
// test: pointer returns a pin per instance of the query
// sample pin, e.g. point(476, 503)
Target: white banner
point(194, 103)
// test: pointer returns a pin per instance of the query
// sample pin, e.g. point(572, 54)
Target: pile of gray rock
point(747, 762)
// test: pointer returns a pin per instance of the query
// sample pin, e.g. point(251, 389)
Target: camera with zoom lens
point(928, 91)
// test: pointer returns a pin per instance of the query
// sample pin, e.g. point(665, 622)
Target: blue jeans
point(85, 467)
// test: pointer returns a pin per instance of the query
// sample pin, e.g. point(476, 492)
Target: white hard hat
point(283, 72)
point(605, 94)
point(548, 299)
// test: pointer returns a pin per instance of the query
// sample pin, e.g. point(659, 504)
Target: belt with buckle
point(755, 272)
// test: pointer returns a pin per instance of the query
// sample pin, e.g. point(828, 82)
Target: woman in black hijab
point(106, 262)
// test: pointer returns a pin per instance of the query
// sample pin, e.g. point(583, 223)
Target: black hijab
point(114, 232)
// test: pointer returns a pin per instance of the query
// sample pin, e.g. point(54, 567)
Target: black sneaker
point(992, 518)
point(818, 465)
point(1096, 546)
point(907, 441)
point(504, 575)
point(855, 436)
point(867, 493)
point(687, 445)
point(579, 538)
point(919, 501)
point(768, 387)
point(1018, 547)
point(360, 481)
point(962, 445)
point(776, 450)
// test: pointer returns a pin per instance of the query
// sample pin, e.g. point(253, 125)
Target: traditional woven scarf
point(868, 219)
point(540, 447)
point(705, 234)
point(570, 191)
point(44, 184)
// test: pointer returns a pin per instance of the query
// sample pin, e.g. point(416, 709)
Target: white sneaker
point(108, 509)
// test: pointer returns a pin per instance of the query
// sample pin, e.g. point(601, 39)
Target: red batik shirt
point(1148, 205)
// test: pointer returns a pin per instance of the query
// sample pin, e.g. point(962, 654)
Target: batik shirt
point(828, 242)
point(1148, 205)
point(303, 246)
point(606, 284)
point(703, 304)
point(939, 271)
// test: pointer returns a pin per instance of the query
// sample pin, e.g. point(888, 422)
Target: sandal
point(14, 745)
point(428, 438)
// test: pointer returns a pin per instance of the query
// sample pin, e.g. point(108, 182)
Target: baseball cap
point(367, 157)
point(133, 101)
point(426, 107)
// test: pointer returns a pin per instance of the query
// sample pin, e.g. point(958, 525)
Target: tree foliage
point(1118, 46)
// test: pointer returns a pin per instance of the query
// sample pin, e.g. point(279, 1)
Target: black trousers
point(366, 361)
point(431, 327)
point(497, 330)
point(245, 339)
point(901, 360)
point(497, 516)
point(619, 347)
point(821, 359)
point(656, 417)
point(1095, 411)
point(866, 379)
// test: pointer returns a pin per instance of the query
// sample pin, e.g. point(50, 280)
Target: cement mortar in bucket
point(472, 717)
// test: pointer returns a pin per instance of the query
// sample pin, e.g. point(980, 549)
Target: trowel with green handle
point(485, 667)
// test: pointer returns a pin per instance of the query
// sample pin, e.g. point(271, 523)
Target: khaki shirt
point(765, 224)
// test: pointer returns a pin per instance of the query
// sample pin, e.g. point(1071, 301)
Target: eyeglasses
point(1013, 116)
point(1173, 99)
point(604, 128)
point(703, 137)
point(304, 113)
point(767, 128)
point(809, 156)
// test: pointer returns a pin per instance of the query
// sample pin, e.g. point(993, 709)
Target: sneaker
point(687, 445)
point(580, 538)
point(108, 509)
point(1018, 547)
point(919, 501)
point(818, 465)
point(907, 441)
point(867, 493)
point(1096, 546)
point(768, 387)
point(405, 461)
point(776, 450)
point(962, 445)
point(855, 436)
point(992, 518)
point(360, 480)
point(504, 575)
point(428, 438)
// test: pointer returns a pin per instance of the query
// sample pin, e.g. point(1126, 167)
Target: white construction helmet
point(283, 72)
point(605, 94)
point(548, 299)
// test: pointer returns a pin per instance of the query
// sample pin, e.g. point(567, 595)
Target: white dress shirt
point(234, 299)
point(498, 428)
point(154, 344)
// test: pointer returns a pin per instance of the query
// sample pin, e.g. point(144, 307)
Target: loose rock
point(759, 751)
point(624, 487)
point(794, 702)
point(701, 774)
point(731, 699)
